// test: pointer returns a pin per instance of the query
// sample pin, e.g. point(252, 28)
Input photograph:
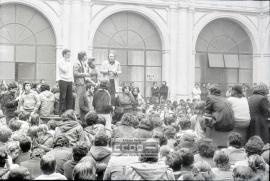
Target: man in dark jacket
point(101, 153)
point(125, 129)
point(163, 92)
point(25, 146)
point(222, 114)
point(102, 98)
point(79, 151)
point(259, 113)
point(9, 101)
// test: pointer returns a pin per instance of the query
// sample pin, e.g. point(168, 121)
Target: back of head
point(5, 134)
point(261, 89)
point(79, 151)
point(237, 91)
point(221, 160)
point(25, 144)
point(44, 87)
point(186, 156)
point(206, 148)
point(19, 173)
point(69, 115)
point(91, 118)
point(48, 164)
point(15, 124)
point(242, 173)
point(170, 132)
point(257, 163)
point(101, 139)
point(185, 124)
point(174, 161)
point(84, 171)
point(235, 139)
point(146, 124)
point(127, 119)
point(204, 169)
point(254, 145)
point(61, 141)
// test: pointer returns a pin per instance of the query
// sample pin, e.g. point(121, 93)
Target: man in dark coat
point(145, 129)
point(102, 98)
point(259, 113)
point(222, 114)
point(9, 101)
point(163, 92)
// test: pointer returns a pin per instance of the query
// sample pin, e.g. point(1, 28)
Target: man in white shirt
point(110, 70)
point(64, 76)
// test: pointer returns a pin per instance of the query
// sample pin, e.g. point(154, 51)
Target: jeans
point(66, 97)
point(80, 91)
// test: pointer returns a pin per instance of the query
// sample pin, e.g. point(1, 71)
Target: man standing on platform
point(80, 73)
point(64, 72)
point(111, 69)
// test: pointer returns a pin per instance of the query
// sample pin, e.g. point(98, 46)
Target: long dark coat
point(259, 113)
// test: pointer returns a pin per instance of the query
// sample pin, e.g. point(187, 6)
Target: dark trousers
point(66, 96)
point(112, 91)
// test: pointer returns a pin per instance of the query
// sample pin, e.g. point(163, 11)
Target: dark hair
point(25, 144)
point(68, 115)
point(44, 87)
point(65, 51)
point(254, 145)
point(25, 83)
point(91, 118)
point(101, 120)
point(187, 157)
point(206, 148)
point(257, 163)
point(221, 158)
point(81, 55)
point(125, 87)
point(237, 91)
point(19, 173)
point(61, 141)
point(146, 124)
point(185, 124)
point(79, 151)
point(127, 119)
point(174, 161)
point(12, 85)
point(48, 164)
point(101, 139)
point(235, 139)
point(117, 115)
point(3, 156)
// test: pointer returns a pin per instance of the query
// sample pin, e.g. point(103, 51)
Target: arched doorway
point(224, 55)
point(137, 46)
point(27, 45)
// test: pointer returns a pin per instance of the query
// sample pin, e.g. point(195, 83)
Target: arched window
point(224, 54)
point(27, 45)
point(137, 46)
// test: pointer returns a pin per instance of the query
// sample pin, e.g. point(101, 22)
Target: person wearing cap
point(110, 70)
point(240, 109)
point(93, 72)
point(9, 101)
point(259, 112)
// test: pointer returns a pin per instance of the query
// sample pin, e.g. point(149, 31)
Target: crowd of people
point(43, 137)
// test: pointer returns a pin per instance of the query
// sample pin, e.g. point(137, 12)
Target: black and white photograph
point(135, 90)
